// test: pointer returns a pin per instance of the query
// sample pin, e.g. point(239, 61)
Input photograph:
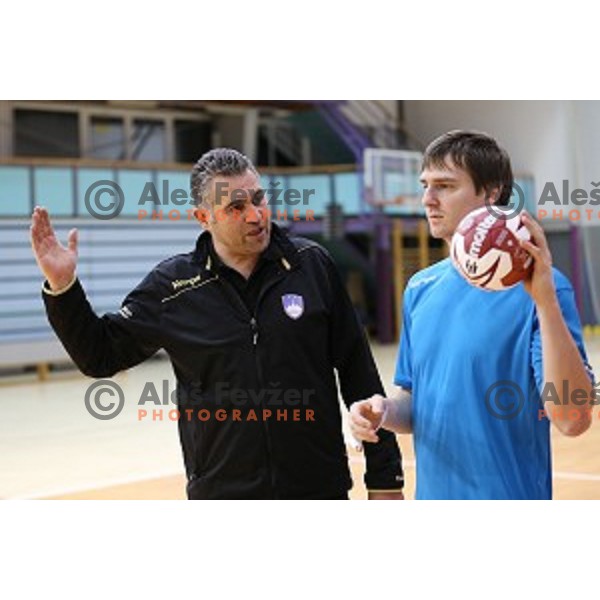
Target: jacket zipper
point(254, 326)
point(273, 478)
point(254, 331)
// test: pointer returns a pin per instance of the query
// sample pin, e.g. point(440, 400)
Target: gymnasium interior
point(361, 162)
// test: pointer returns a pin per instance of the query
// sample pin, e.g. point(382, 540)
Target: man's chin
point(436, 233)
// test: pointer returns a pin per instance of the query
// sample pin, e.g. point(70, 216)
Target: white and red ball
point(486, 251)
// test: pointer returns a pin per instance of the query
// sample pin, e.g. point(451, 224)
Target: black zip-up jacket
point(232, 366)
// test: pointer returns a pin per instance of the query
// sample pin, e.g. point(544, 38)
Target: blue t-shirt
point(473, 362)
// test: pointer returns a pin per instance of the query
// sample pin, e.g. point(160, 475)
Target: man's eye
point(258, 197)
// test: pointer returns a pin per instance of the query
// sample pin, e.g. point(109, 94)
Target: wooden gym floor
point(50, 447)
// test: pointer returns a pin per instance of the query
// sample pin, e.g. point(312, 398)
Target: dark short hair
point(479, 155)
point(225, 162)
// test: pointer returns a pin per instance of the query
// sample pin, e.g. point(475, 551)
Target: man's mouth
point(256, 232)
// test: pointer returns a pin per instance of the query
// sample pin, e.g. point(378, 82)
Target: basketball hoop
point(391, 180)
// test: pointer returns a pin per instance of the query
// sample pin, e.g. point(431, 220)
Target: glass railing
point(74, 191)
point(71, 191)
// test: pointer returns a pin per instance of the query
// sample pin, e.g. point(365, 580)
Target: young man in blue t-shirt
point(480, 375)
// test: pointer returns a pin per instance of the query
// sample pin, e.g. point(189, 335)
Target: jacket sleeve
point(359, 379)
point(103, 346)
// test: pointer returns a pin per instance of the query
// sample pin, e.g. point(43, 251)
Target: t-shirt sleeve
point(403, 376)
point(568, 307)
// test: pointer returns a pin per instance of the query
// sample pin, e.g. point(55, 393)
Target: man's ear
point(202, 216)
point(493, 195)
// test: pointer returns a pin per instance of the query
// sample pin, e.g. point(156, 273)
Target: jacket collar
point(280, 248)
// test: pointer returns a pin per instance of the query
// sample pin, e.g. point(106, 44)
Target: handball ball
point(485, 250)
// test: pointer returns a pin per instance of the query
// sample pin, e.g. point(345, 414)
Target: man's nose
point(253, 214)
point(429, 197)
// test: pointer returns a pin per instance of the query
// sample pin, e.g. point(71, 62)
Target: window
point(192, 140)
point(148, 142)
point(46, 133)
point(107, 138)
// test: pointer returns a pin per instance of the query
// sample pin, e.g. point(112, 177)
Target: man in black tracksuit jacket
point(254, 359)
